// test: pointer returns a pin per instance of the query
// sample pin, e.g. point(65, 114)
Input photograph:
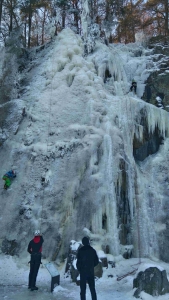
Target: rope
point(129, 107)
point(138, 218)
point(127, 274)
point(4, 285)
point(48, 132)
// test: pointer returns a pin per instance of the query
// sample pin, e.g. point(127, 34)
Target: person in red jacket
point(87, 259)
point(35, 249)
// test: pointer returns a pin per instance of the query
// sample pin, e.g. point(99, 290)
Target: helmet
point(37, 232)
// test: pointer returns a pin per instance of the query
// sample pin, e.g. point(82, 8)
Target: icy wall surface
point(73, 154)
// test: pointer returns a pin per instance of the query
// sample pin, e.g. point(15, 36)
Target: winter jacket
point(87, 259)
point(35, 245)
point(10, 174)
point(134, 83)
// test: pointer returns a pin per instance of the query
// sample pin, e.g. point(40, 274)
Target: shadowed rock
point(152, 281)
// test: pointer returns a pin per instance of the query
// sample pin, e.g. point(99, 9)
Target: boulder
point(74, 274)
point(98, 270)
point(112, 263)
point(70, 269)
point(104, 262)
point(127, 253)
point(9, 247)
point(103, 258)
point(152, 281)
point(157, 82)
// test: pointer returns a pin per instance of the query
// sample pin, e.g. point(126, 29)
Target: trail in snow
point(107, 288)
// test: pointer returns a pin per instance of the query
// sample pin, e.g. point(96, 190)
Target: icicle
point(157, 118)
point(138, 130)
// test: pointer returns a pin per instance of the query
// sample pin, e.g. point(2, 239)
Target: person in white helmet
point(35, 249)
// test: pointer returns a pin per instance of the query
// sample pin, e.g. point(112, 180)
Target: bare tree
point(158, 16)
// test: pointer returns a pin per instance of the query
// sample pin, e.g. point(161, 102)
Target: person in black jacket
point(87, 259)
point(133, 86)
point(35, 249)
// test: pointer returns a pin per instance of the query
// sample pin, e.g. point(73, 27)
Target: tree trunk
point(132, 22)
point(1, 3)
point(76, 18)
point(119, 33)
point(25, 34)
point(29, 24)
point(43, 25)
point(166, 17)
point(11, 16)
point(107, 10)
point(37, 32)
point(94, 11)
point(63, 16)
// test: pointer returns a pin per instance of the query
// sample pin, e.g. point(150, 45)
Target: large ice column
point(146, 242)
point(110, 181)
point(105, 220)
point(85, 18)
point(90, 32)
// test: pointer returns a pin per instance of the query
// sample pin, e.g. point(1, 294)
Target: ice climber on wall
point(7, 177)
point(35, 249)
point(133, 86)
point(87, 259)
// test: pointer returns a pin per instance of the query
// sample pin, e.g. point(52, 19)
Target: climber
point(87, 259)
point(133, 86)
point(7, 177)
point(35, 249)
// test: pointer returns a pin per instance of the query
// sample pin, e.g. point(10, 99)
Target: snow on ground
point(14, 278)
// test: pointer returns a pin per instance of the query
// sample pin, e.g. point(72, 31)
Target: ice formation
point(73, 154)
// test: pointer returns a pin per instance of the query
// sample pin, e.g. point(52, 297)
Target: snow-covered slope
point(73, 154)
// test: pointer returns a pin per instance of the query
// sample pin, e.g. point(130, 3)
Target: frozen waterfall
point(98, 171)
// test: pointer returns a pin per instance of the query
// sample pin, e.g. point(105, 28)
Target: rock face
point(11, 115)
point(98, 270)
point(9, 247)
point(150, 142)
point(157, 82)
point(152, 281)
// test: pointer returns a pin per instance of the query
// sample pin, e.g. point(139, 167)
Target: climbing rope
point(48, 133)
point(138, 217)
point(128, 107)
point(13, 285)
point(138, 231)
point(127, 274)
